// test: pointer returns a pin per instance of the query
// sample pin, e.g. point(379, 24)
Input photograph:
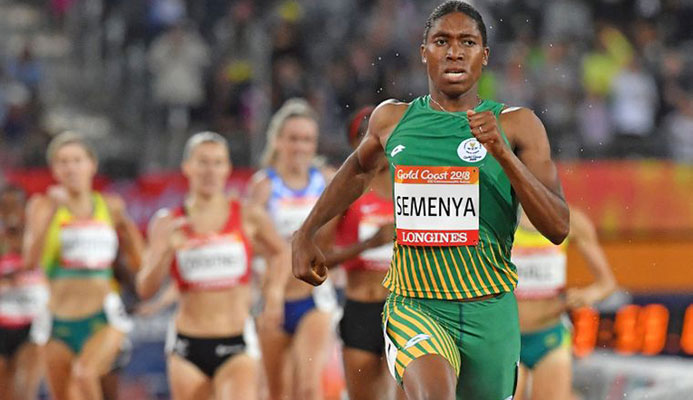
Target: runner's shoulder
point(37, 202)
point(514, 114)
point(386, 116)
point(521, 123)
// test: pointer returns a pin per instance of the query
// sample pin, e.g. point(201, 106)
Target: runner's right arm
point(169, 296)
point(39, 213)
point(348, 184)
point(158, 254)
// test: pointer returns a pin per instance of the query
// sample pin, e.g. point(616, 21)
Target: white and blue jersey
point(290, 207)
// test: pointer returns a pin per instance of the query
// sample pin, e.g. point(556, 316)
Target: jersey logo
point(471, 150)
point(416, 339)
point(398, 149)
point(224, 350)
point(181, 347)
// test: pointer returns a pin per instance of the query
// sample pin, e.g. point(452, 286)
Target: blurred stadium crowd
point(610, 79)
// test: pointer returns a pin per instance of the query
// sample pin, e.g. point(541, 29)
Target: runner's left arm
point(131, 241)
point(532, 173)
point(278, 256)
point(584, 236)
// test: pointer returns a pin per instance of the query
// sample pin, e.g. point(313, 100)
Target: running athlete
point(545, 357)
point(364, 239)
point(206, 246)
point(23, 295)
point(459, 165)
point(288, 187)
point(75, 233)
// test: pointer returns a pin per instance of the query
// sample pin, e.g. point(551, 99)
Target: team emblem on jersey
point(471, 150)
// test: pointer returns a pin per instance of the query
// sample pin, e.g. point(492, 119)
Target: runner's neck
point(295, 178)
point(81, 203)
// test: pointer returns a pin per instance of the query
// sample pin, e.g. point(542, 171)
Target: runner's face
point(454, 54)
point(208, 169)
point(297, 143)
point(73, 168)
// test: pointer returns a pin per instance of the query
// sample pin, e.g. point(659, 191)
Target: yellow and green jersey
point(455, 210)
point(541, 265)
point(80, 247)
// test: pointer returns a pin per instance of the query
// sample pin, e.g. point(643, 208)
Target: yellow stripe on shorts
point(415, 334)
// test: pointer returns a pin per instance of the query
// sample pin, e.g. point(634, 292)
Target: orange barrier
point(632, 197)
point(657, 265)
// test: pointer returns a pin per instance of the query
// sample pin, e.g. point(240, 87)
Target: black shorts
point(207, 354)
point(361, 326)
point(11, 339)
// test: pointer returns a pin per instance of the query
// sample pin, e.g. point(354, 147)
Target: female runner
point(460, 165)
point(288, 187)
point(205, 245)
point(75, 233)
point(545, 355)
point(23, 295)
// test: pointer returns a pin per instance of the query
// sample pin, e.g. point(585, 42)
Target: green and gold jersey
point(81, 247)
point(455, 210)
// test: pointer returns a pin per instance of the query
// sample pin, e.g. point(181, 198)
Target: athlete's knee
point(430, 378)
point(275, 389)
point(431, 391)
point(84, 376)
point(308, 391)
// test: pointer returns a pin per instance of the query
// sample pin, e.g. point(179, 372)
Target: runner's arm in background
point(39, 212)
point(584, 236)
point(158, 254)
point(168, 297)
point(131, 241)
point(278, 255)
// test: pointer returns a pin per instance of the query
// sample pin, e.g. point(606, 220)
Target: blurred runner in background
point(206, 246)
point(545, 355)
point(75, 234)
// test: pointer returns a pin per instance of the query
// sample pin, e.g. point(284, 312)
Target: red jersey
point(360, 222)
point(28, 294)
point(219, 260)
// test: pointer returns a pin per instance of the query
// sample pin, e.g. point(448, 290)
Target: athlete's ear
point(486, 53)
point(423, 53)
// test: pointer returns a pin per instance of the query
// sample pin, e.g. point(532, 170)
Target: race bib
point(21, 303)
point(218, 261)
point(88, 245)
point(291, 212)
point(377, 258)
point(540, 274)
point(437, 206)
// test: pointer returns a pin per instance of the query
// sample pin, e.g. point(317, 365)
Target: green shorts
point(480, 339)
point(75, 332)
point(536, 345)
